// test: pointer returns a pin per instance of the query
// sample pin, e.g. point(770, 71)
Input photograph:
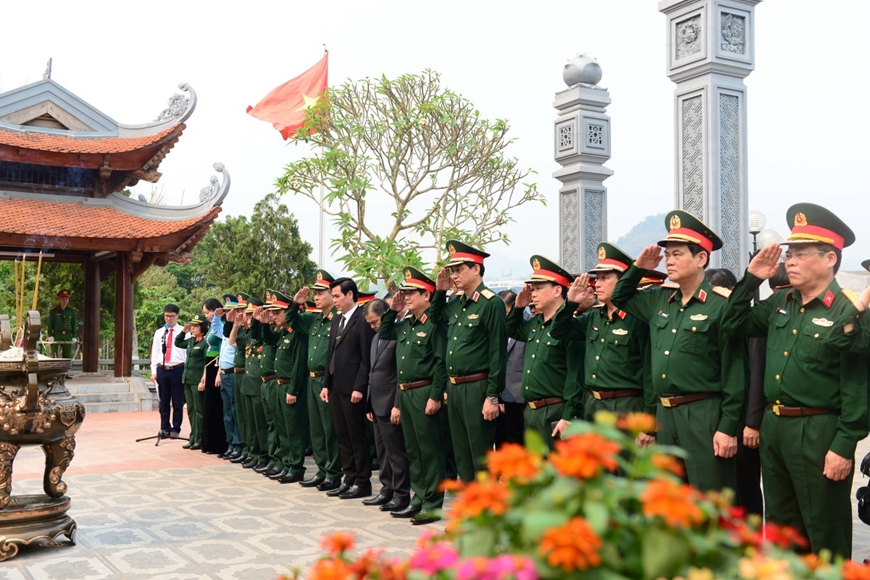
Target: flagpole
point(322, 212)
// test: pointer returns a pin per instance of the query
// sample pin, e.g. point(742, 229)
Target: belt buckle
point(775, 409)
point(666, 401)
point(533, 406)
point(452, 380)
point(596, 395)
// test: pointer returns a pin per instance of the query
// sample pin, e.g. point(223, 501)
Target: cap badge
point(239, 297)
point(675, 222)
point(602, 253)
point(451, 248)
point(320, 275)
point(407, 274)
point(536, 264)
point(800, 220)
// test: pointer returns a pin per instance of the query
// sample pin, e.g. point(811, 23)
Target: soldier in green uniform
point(252, 391)
point(263, 331)
point(422, 372)
point(816, 394)
point(62, 326)
point(617, 354)
point(550, 382)
point(239, 338)
point(316, 326)
point(698, 369)
point(193, 339)
point(476, 355)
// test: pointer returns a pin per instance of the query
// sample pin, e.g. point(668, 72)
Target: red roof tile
point(63, 144)
point(41, 218)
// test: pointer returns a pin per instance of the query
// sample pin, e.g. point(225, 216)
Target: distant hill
point(647, 232)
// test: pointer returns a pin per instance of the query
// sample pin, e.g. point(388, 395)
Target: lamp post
point(757, 221)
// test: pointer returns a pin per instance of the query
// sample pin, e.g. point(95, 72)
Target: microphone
point(166, 325)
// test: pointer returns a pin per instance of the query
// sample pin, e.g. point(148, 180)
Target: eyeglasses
point(801, 255)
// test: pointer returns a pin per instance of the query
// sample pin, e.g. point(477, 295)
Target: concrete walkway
point(165, 512)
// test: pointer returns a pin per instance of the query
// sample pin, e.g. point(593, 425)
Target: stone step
point(82, 388)
point(111, 407)
point(87, 398)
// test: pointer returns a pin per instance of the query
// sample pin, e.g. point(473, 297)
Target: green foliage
point(417, 152)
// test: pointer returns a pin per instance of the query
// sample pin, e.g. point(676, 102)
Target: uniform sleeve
point(366, 335)
point(494, 319)
point(626, 296)
point(181, 340)
point(757, 358)
point(217, 326)
point(733, 365)
point(740, 317)
point(515, 326)
point(566, 326)
point(387, 331)
point(852, 424)
point(572, 392)
point(297, 320)
point(439, 348)
point(650, 399)
point(438, 307)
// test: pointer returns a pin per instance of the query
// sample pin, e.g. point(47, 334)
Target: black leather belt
point(170, 367)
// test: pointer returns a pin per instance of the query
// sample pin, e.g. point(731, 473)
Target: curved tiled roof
point(63, 144)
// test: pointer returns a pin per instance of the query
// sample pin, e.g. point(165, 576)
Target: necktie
point(340, 325)
point(168, 347)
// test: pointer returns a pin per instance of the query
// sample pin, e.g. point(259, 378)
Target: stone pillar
point(710, 51)
point(582, 147)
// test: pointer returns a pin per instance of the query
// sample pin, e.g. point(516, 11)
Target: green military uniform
point(194, 368)
point(617, 372)
point(476, 357)
point(291, 370)
point(242, 411)
point(422, 372)
point(268, 336)
point(62, 327)
point(316, 326)
point(252, 386)
point(550, 382)
point(698, 369)
point(816, 393)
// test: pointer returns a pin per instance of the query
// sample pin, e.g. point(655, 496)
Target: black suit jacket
point(383, 384)
point(352, 354)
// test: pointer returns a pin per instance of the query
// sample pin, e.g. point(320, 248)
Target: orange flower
point(451, 485)
point(673, 502)
point(813, 562)
point(763, 568)
point(395, 570)
point(636, 423)
point(571, 547)
point(855, 571)
point(583, 456)
point(337, 543)
point(668, 463)
point(512, 461)
point(367, 563)
point(329, 569)
point(478, 497)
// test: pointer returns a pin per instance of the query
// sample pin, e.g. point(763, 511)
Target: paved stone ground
point(164, 512)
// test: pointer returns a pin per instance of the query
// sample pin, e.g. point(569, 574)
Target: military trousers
point(324, 443)
point(294, 435)
point(242, 413)
point(228, 396)
point(796, 493)
point(541, 420)
point(620, 406)
point(691, 426)
point(257, 420)
point(425, 448)
point(193, 401)
point(274, 420)
point(472, 435)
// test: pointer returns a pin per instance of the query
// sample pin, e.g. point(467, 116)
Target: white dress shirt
point(177, 355)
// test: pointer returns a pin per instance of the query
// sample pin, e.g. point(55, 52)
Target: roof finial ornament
point(215, 192)
point(47, 73)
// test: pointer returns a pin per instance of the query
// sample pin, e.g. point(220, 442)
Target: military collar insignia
point(675, 222)
point(475, 297)
point(423, 319)
point(800, 220)
point(698, 317)
point(672, 296)
point(828, 300)
point(329, 316)
point(621, 314)
point(823, 322)
point(702, 295)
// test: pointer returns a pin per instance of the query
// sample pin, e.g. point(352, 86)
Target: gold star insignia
point(308, 102)
point(536, 264)
point(800, 220)
point(602, 253)
point(407, 274)
point(675, 222)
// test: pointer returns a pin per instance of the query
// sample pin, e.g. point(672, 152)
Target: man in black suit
point(344, 388)
point(383, 412)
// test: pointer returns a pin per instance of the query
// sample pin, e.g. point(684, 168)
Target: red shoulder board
point(423, 319)
point(702, 295)
point(621, 314)
point(828, 299)
point(476, 296)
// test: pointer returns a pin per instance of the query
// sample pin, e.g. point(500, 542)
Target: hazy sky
point(808, 119)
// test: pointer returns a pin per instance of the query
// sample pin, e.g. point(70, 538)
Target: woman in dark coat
point(214, 438)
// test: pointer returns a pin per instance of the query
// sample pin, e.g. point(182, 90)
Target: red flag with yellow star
point(286, 106)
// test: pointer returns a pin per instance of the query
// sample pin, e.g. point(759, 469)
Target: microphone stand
point(160, 437)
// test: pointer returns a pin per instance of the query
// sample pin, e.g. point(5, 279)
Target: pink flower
point(520, 567)
point(477, 568)
point(434, 558)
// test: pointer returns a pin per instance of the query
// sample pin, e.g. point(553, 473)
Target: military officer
point(62, 326)
point(550, 383)
point(422, 372)
point(476, 354)
point(238, 338)
point(617, 355)
point(263, 330)
point(698, 370)
point(252, 391)
point(316, 326)
point(816, 395)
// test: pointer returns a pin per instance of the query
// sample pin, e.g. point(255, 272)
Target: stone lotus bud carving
point(581, 69)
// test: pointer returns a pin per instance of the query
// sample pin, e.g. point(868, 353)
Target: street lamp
point(768, 236)
point(757, 221)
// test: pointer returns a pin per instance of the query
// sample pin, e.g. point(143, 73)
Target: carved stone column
point(582, 147)
point(711, 49)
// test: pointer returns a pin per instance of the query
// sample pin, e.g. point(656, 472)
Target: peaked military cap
point(63, 294)
point(416, 280)
point(230, 301)
point(252, 302)
point(611, 259)
point(364, 297)
point(197, 319)
point(276, 300)
point(310, 306)
point(813, 224)
point(323, 280)
point(461, 253)
point(546, 270)
point(652, 278)
point(685, 228)
point(242, 298)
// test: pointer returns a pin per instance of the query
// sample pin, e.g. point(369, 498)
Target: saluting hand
point(649, 258)
point(301, 297)
point(766, 262)
point(219, 312)
point(524, 298)
point(442, 282)
point(398, 304)
point(231, 315)
point(836, 467)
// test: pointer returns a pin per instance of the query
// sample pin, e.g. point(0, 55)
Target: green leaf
point(663, 553)
point(534, 524)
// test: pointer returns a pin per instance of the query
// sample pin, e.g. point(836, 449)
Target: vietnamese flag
point(287, 105)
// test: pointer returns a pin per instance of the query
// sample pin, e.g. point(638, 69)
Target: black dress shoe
point(239, 459)
point(187, 445)
point(376, 466)
point(290, 478)
point(311, 481)
point(379, 499)
point(408, 512)
point(328, 484)
point(249, 463)
point(195, 446)
point(395, 505)
point(277, 475)
point(273, 471)
point(338, 490)
point(356, 491)
point(232, 455)
point(223, 455)
point(424, 518)
point(309, 452)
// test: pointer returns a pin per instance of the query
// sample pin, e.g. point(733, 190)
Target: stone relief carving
point(176, 106)
point(593, 226)
point(729, 181)
point(566, 137)
point(733, 33)
point(693, 156)
point(568, 208)
point(689, 37)
point(595, 135)
point(209, 191)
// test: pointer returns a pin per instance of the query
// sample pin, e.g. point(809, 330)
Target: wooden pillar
point(124, 316)
point(91, 334)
